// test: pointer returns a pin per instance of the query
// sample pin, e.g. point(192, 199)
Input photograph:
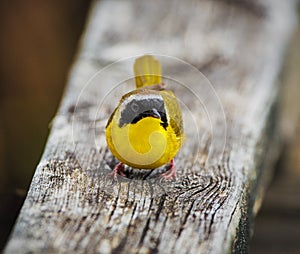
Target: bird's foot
point(171, 172)
point(118, 170)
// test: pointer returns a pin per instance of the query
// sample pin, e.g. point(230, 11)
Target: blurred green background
point(37, 46)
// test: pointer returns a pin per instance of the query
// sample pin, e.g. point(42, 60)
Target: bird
point(145, 131)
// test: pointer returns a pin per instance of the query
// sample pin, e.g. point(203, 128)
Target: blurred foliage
point(38, 42)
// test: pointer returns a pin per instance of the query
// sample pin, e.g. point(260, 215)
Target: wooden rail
point(228, 96)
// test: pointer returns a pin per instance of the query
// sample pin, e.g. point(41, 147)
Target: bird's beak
point(154, 113)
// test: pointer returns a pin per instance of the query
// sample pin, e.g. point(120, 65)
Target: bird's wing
point(174, 112)
point(147, 71)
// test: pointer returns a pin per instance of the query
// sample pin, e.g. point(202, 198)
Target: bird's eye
point(135, 107)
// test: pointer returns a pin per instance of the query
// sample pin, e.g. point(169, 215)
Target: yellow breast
point(145, 144)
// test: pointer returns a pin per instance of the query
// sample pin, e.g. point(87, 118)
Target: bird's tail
point(147, 71)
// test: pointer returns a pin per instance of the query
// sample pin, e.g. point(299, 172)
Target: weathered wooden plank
point(274, 229)
point(229, 116)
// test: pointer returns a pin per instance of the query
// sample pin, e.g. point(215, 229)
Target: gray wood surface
point(228, 97)
point(274, 227)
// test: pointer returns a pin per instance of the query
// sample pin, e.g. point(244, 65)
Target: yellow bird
point(145, 131)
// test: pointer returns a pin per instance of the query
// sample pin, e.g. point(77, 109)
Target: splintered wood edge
point(73, 206)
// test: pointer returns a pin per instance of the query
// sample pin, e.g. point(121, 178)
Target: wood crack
point(73, 206)
point(145, 230)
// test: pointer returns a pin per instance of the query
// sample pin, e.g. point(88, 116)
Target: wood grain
point(229, 111)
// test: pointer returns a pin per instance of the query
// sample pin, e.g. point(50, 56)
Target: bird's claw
point(171, 172)
point(118, 170)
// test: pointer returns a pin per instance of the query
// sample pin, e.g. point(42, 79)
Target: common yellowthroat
point(145, 131)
